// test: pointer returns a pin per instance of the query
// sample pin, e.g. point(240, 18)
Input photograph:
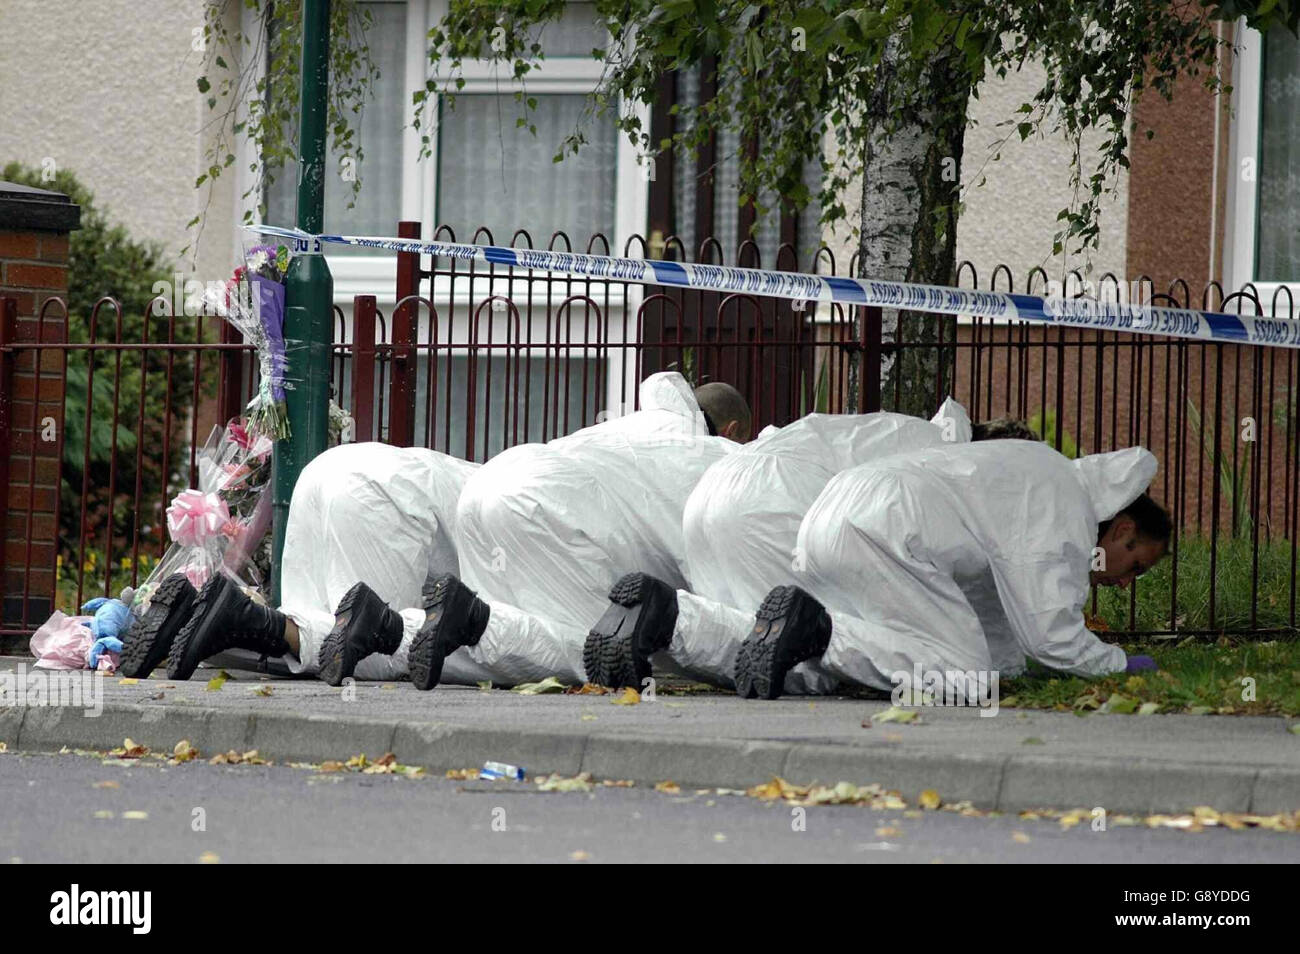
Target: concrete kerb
point(1007, 783)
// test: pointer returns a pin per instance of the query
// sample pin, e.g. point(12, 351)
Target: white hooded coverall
point(544, 530)
point(741, 526)
point(890, 544)
point(375, 514)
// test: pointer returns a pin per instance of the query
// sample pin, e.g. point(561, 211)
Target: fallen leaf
point(1149, 708)
point(135, 815)
point(929, 799)
point(388, 685)
point(1020, 837)
point(106, 784)
point(262, 691)
point(579, 856)
point(668, 788)
point(1121, 704)
point(719, 837)
point(184, 752)
point(628, 697)
point(888, 831)
point(331, 766)
point(462, 774)
point(485, 685)
point(588, 717)
point(1070, 819)
point(209, 858)
point(618, 783)
point(217, 681)
point(232, 757)
point(560, 783)
point(895, 714)
point(546, 686)
point(131, 750)
point(124, 681)
point(587, 689)
point(1032, 740)
point(103, 813)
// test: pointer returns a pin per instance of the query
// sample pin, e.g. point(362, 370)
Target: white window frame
point(1242, 197)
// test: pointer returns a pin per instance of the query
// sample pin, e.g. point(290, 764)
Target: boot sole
point(150, 637)
point(789, 628)
point(638, 624)
point(338, 658)
point(437, 638)
point(181, 659)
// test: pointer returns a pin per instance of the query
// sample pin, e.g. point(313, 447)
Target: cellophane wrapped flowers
point(220, 526)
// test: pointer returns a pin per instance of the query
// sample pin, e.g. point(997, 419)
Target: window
point(378, 205)
point(492, 173)
point(1277, 234)
point(1262, 234)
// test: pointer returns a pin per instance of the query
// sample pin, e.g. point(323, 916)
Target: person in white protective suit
point(541, 528)
point(740, 527)
point(889, 545)
point(368, 524)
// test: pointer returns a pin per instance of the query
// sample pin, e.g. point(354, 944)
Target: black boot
point(150, 637)
point(454, 616)
point(638, 624)
point(224, 618)
point(790, 627)
point(363, 625)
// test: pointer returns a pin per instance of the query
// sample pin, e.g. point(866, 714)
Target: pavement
point(67, 809)
point(1013, 761)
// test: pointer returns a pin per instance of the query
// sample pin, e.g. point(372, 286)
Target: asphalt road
point(77, 809)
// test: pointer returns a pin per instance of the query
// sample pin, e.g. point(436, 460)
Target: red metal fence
point(472, 359)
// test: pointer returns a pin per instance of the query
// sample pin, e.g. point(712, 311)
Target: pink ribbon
point(194, 518)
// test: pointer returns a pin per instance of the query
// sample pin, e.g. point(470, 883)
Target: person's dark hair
point(1002, 429)
point(1151, 519)
point(722, 404)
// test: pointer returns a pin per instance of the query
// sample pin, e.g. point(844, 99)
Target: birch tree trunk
point(910, 189)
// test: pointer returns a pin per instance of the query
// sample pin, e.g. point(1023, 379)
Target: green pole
point(308, 289)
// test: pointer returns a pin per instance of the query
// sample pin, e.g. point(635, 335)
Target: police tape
point(1083, 313)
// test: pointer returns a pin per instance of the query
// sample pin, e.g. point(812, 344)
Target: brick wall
point(34, 229)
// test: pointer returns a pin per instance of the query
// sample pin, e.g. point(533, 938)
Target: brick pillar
point(34, 229)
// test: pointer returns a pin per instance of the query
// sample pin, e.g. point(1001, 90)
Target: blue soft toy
point(110, 616)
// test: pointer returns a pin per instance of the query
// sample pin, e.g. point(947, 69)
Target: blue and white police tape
point(1083, 313)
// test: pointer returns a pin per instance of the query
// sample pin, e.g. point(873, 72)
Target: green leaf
point(1120, 704)
point(547, 686)
point(203, 84)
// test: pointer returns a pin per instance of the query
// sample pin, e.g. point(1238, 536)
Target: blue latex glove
point(105, 644)
point(110, 616)
point(1140, 664)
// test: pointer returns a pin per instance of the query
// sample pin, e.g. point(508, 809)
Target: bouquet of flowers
point(222, 525)
point(253, 301)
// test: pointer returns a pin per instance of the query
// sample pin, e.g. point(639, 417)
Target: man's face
point(1128, 555)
